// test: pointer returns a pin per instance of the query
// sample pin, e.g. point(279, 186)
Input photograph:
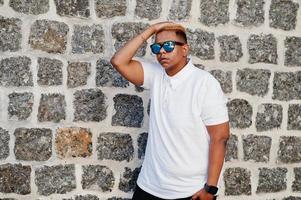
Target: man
point(188, 126)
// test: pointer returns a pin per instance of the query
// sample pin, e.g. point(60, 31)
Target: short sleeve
point(150, 71)
point(214, 103)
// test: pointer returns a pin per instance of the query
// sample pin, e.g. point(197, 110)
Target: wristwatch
point(210, 189)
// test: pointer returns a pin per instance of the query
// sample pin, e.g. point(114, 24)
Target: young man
point(188, 126)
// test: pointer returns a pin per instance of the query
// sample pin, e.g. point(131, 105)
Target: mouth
point(163, 60)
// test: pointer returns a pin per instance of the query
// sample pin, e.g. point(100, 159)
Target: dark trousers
point(140, 194)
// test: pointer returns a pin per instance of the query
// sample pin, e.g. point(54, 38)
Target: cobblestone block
point(180, 10)
point(33, 144)
point(142, 140)
point(49, 36)
point(15, 178)
point(250, 13)
point(86, 197)
point(253, 81)
point(257, 148)
point(128, 179)
point(293, 51)
point(271, 180)
point(109, 9)
point(269, 116)
point(149, 9)
point(108, 76)
point(52, 108)
point(4, 144)
point(73, 8)
point(90, 105)
point(129, 110)
point(10, 34)
point(262, 48)
point(289, 149)
point(1, 2)
point(20, 105)
point(50, 72)
point(294, 117)
point(286, 86)
point(97, 177)
point(224, 78)
point(34, 7)
point(230, 47)
point(240, 113)
point(58, 179)
point(88, 39)
point(237, 181)
point(117, 198)
point(139, 89)
point(232, 148)
point(292, 198)
point(73, 142)
point(283, 14)
point(115, 146)
point(15, 71)
point(297, 181)
point(215, 12)
point(201, 43)
point(123, 32)
point(78, 73)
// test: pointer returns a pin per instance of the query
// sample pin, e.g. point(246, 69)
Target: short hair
point(178, 29)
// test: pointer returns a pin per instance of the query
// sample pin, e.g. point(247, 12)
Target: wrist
point(211, 189)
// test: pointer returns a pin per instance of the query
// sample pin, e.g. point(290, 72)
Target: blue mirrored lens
point(156, 48)
point(168, 46)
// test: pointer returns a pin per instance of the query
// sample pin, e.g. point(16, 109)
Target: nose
point(162, 51)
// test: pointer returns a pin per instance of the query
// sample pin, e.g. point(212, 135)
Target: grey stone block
point(109, 9)
point(224, 78)
point(232, 148)
point(292, 198)
point(78, 73)
point(237, 181)
point(58, 179)
point(15, 71)
point(34, 7)
point(149, 9)
point(1, 2)
point(201, 43)
point(73, 8)
point(293, 51)
point(86, 197)
point(283, 14)
point(4, 144)
point(269, 116)
point(129, 110)
point(230, 48)
point(10, 34)
point(33, 144)
point(20, 105)
point(117, 198)
point(123, 32)
point(88, 39)
point(262, 48)
point(52, 108)
point(108, 76)
point(15, 178)
point(257, 148)
point(115, 146)
point(97, 177)
point(128, 179)
point(215, 12)
point(180, 10)
point(50, 72)
point(289, 149)
point(49, 36)
point(250, 13)
point(297, 181)
point(139, 89)
point(271, 180)
point(286, 86)
point(240, 113)
point(142, 141)
point(253, 81)
point(294, 117)
point(90, 105)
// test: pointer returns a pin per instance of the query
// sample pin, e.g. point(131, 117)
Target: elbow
point(114, 61)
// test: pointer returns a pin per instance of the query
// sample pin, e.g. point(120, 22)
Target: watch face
point(211, 189)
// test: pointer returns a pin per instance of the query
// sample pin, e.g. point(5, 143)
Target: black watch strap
point(210, 189)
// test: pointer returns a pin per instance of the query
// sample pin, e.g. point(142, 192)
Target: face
point(175, 59)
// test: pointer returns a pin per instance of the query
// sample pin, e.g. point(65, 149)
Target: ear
point(185, 49)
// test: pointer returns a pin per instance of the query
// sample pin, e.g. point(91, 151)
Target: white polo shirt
point(176, 157)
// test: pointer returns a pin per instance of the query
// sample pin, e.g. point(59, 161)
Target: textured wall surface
point(72, 128)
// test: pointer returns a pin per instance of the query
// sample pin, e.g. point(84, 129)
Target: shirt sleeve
point(150, 70)
point(214, 104)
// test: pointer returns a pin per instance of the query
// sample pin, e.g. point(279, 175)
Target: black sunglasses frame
point(162, 45)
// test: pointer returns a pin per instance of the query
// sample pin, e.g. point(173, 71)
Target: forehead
point(165, 36)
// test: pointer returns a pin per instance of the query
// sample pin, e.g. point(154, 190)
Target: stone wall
point(72, 128)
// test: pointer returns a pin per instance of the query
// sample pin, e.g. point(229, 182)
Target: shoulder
point(204, 76)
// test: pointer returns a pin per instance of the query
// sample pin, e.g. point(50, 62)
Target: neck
point(173, 70)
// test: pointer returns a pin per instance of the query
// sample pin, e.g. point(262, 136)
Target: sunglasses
point(168, 46)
